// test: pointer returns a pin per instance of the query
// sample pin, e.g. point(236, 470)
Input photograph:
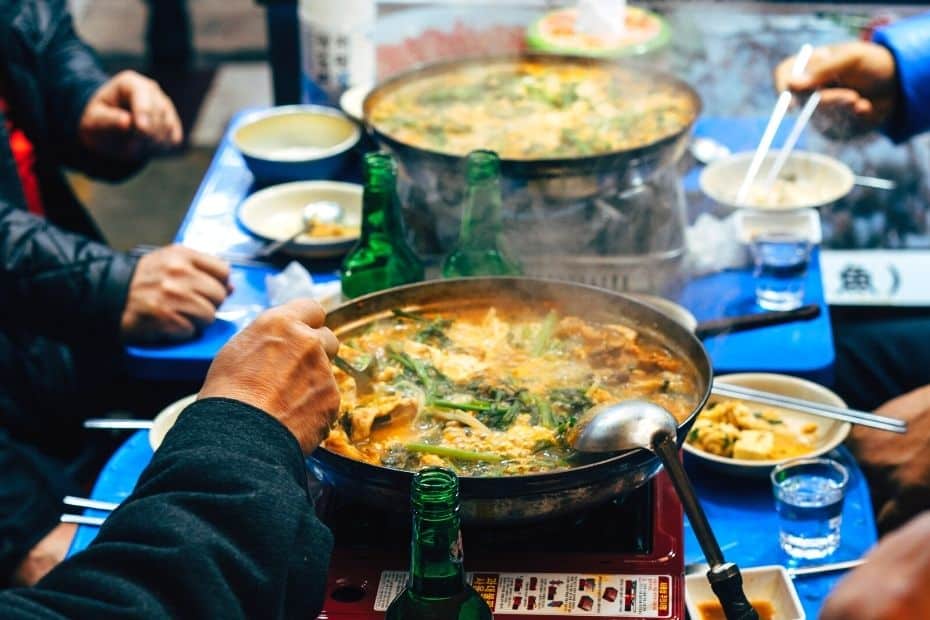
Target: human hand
point(129, 117)
point(897, 466)
point(857, 81)
point(280, 364)
point(892, 584)
point(46, 555)
point(174, 291)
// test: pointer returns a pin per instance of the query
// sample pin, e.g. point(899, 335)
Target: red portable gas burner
point(621, 560)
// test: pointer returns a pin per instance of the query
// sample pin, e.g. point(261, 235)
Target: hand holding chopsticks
point(853, 416)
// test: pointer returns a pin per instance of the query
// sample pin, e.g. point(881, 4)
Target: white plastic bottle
point(337, 46)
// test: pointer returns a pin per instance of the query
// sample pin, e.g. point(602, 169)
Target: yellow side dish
point(736, 430)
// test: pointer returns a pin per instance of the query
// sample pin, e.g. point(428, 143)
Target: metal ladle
point(640, 424)
point(319, 211)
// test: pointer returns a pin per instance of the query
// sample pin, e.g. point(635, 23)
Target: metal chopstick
point(825, 568)
point(846, 415)
point(82, 519)
point(115, 424)
point(239, 260)
point(95, 504)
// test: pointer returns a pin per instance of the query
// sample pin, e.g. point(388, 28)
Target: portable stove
point(622, 560)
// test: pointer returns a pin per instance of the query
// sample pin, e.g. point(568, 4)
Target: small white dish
point(166, 419)
point(763, 583)
point(275, 213)
point(830, 433)
point(818, 180)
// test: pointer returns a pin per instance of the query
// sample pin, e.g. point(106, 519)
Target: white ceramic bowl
point(166, 419)
point(292, 143)
point(819, 180)
point(830, 433)
point(763, 583)
point(274, 213)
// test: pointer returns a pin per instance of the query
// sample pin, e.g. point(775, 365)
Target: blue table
point(741, 512)
point(804, 348)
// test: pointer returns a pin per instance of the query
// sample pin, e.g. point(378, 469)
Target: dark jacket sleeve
point(69, 74)
point(32, 486)
point(221, 525)
point(57, 283)
point(909, 42)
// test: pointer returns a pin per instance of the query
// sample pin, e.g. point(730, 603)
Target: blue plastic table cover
point(802, 348)
point(741, 512)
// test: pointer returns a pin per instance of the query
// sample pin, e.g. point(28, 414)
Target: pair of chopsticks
point(778, 115)
point(83, 502)
point(852, 416)
point(239, 260)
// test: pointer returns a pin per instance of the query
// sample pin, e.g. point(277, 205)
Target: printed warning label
point(617, 596)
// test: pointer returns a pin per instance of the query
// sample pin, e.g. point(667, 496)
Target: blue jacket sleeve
point(909, 41)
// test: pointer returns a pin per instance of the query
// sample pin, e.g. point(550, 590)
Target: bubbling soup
point(533, 109)
point(491, 390)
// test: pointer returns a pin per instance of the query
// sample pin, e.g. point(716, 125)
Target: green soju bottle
point(382, 258)
point(480, 247)
point(436, 588)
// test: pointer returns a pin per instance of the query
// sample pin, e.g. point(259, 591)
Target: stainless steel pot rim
point(427, 69)
point(557, 478)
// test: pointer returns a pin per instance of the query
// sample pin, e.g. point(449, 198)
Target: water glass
point(809, 502)
point(780, 260)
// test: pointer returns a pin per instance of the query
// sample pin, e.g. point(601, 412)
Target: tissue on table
point(295, 282)
point(714, 245)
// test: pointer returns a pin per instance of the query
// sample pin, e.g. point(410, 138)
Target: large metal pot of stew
point(569, 131)
point(485, 375)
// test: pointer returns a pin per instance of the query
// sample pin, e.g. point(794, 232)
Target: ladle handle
point(727, 583)
point(665, 448)
point(725, 578)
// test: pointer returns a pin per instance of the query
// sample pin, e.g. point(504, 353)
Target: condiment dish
point(763, 583)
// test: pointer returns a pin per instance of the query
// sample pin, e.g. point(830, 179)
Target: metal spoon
point(708, 150)
point(640, 424)
point(362, 376)
point(320, 211)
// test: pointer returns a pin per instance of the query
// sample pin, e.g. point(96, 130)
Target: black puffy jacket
point(56, 276)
